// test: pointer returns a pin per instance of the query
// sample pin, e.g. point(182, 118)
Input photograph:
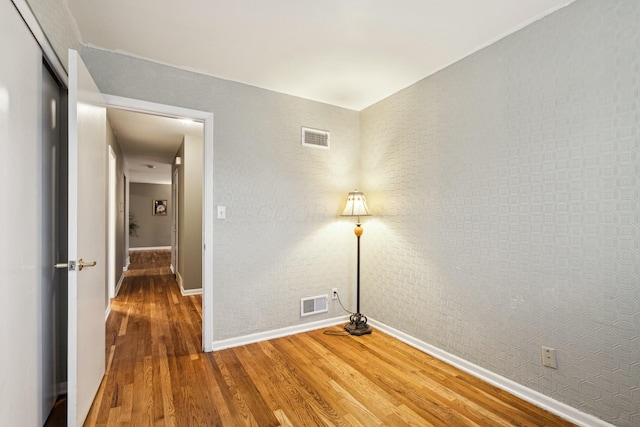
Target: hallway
point(153, 349)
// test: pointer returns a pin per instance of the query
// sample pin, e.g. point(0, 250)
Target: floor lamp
point(357, 206)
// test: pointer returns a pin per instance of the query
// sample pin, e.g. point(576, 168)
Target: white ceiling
point(349, 53)
point(147, 140)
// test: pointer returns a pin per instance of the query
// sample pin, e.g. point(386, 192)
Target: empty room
point(390, 213)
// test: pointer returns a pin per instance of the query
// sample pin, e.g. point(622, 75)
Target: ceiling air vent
point(314, 305)
point(315, 138)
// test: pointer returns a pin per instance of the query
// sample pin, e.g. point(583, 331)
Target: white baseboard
point(150, 248)
point(278, 333)
point(127, 263)
point(107, 311)
point(118, 285)
point(189, 292)
point(186, 292)
point(179, 280)
point(173, 270)
point(536, 398)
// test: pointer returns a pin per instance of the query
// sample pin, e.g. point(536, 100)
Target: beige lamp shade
point(356, 205)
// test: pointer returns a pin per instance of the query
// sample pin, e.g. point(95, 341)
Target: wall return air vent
point(315, 138)
point(314, 305)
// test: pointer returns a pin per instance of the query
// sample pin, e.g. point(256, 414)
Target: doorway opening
point(205, 119)
point(53, 292)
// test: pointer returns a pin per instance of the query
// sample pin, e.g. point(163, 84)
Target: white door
point(87, 235)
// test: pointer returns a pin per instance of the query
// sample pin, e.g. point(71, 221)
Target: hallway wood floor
point(157, 375)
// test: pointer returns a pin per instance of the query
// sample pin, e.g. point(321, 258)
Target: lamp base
point(358, 325)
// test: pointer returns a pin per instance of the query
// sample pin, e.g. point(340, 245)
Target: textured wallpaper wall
point(507, 195)
point(282, 239)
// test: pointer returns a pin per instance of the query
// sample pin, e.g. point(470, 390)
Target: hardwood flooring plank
point(331, 376)
point(432, 384)
point(358, 410)
point(350, 377)
point(274, 393)
point(252, 398)
point(282, 418)
point(404, 386)
point(245, 416)
point(224, 416)
point(479, 396)
point(301, 390)
point(147, 401)
point(476, 399)
point(166, 384)
point(126, 408)
point(405, 416)
point(157, 375)
point(265, 386)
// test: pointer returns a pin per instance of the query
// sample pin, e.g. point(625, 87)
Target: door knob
point(82, 264)
point(71, 265)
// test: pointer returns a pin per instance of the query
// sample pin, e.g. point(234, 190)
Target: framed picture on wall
point(159, 207)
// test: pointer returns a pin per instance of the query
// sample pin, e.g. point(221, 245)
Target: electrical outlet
point(334, 293)
point(549, 357)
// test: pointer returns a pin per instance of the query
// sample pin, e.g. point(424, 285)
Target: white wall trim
point(112, 220)
point(186, 292)
point(189, 292)
point(278, 333)
point(179, 281)
point(150, 248)
point(119, 285)
point(536, 398)
point(107, 312)
point(47, 50)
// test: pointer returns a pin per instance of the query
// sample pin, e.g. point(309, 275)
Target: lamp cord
point(338, 295)
point(339, 333)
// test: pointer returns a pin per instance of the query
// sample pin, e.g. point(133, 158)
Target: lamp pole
point(357, 206)
point(357, 322)
point(358, 231)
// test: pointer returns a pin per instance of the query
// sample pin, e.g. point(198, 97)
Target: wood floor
point(157, 374)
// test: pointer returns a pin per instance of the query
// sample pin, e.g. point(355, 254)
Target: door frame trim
point(48, 52)
point(112, 220)
point(206, 118)
point(175, 215)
